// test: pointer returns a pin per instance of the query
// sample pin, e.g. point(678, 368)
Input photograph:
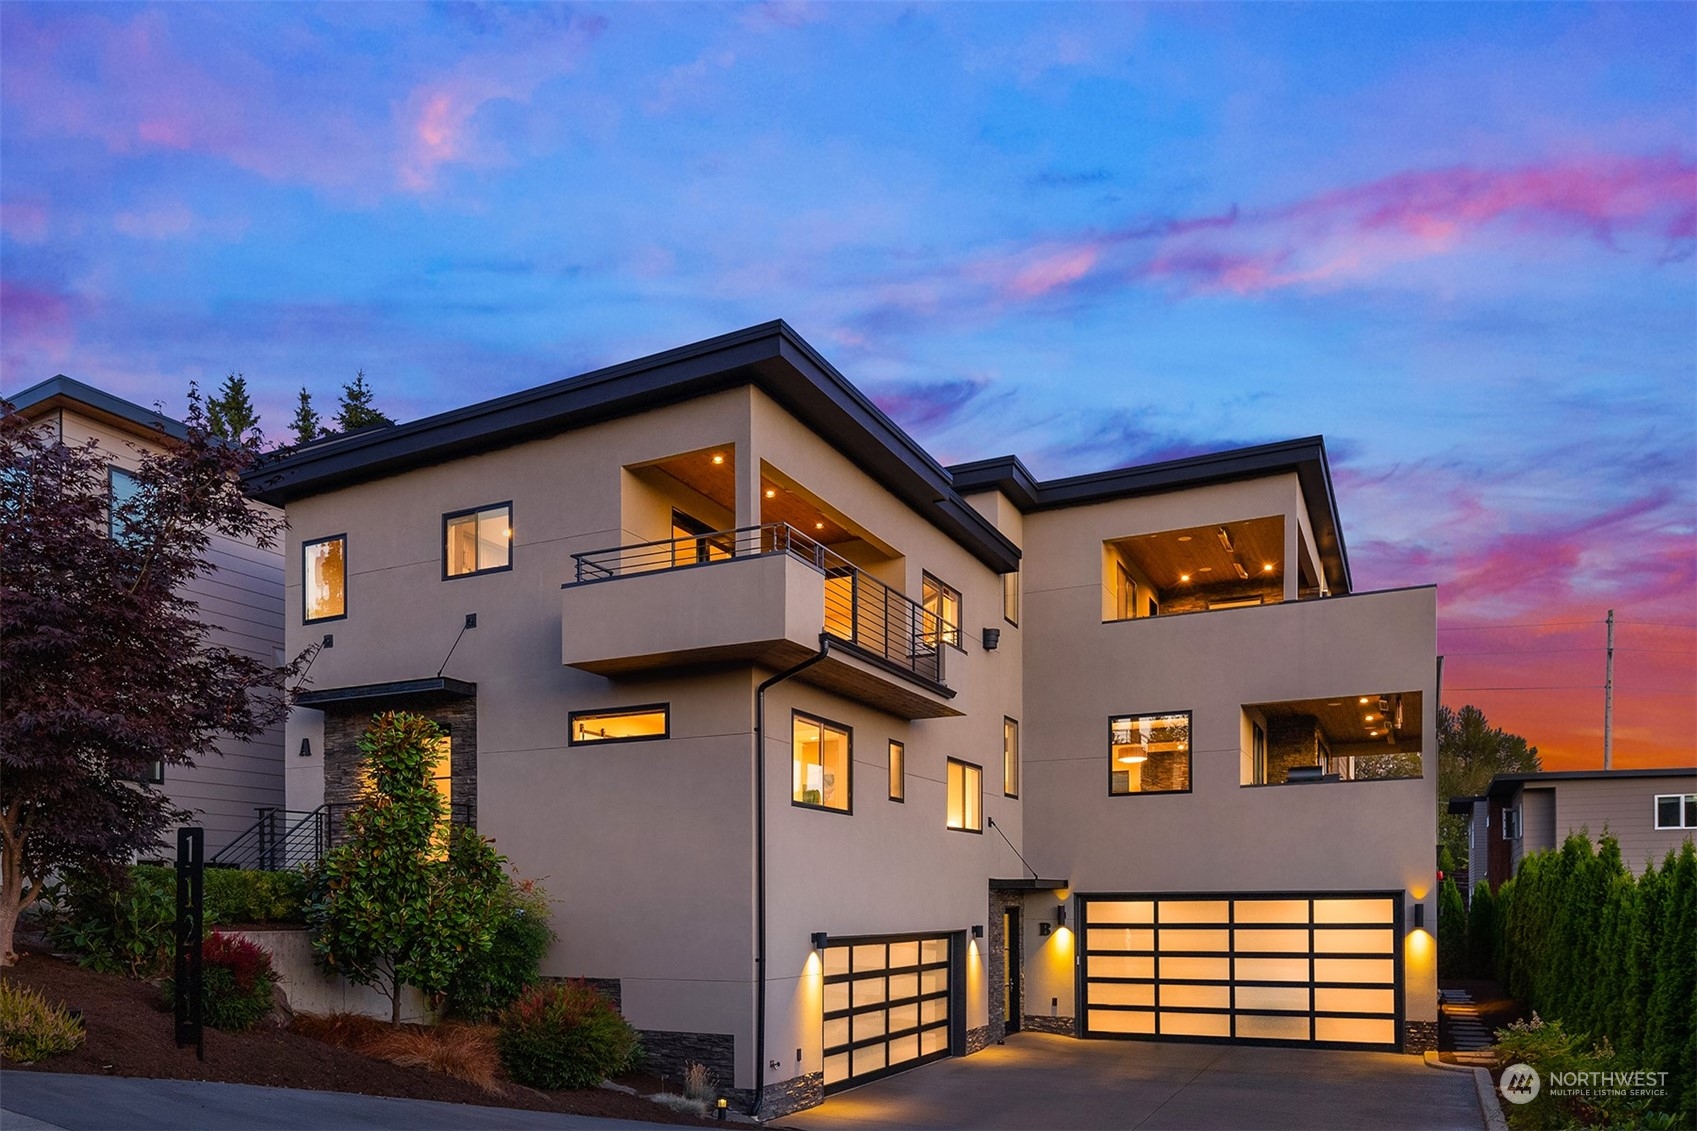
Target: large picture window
point(942, 612)
point(966, 797)
point(1010, 757)
point(1676, 811)
point(477, 541)
point(324, 579)
point(1149, 753)
point(821, 761)
point(623, 724)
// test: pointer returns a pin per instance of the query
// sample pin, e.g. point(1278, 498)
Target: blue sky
point(1455, 239)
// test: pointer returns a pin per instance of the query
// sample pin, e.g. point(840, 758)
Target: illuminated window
point(122, 487)
point(1257, 754)
point(1010, 757)
point(442, 774)
point(624, 724)
point(821, 764)
point(1149, 753)
point(1010, 598)
point(694, 541)
point(324, 570)
point(966, 797)
point(898, 772)
point(1676, 811)
point(477, 541)
point(942, 612)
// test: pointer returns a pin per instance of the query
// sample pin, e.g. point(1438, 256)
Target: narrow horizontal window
point(966, 797)
point(1676, 811)
point(477, 541)
point(821, 764)
point(1149, 753)
point(623, 724)
point(324, 573)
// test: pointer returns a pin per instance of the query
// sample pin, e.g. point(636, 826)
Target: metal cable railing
point(859, 609)
point(287, 838)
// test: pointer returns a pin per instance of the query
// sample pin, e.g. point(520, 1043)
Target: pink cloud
point(35, 323)
point(26, 221)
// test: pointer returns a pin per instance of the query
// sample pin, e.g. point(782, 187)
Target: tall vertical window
point(1257, 754)
point(324, 572)
point(966, 797)
point(898, 772)
point(477, 541)
point(1125, 594)
point(1010, 757)
point(1010, 598)
point(821, 760)
point(1149, 753)
point(942, 612)
point(122, 487)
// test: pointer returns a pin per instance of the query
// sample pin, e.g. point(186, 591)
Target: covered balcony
point(761, 594)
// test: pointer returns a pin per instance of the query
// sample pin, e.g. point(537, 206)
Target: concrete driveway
point(1039, 1080)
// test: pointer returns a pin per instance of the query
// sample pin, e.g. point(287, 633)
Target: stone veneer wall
point(784, 1098)
point(1292, 741)
point(346, 723)
point(1033, 1023)
point(1419, 1036)
point(996, 961)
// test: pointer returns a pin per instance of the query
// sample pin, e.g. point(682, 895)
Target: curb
point(1489, 1108)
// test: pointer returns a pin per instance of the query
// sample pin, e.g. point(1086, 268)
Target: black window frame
point(1189, 759)
point(1687, 802)
point(898, 778)
point(848, 733)
point(965, 778)
point(305, 546)
point(154, 774)
point(664, 709)
point(959, 642)
point(451, 515)
point(1008, 720)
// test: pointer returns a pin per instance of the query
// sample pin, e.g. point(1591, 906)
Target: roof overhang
point(62, 392)
point(398, 689)
point(1463, 806)
point(1505, 785)
point(1027, 885)
point(772, 357)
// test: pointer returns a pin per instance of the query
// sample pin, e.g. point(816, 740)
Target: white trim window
point(1676, 810)
point(1511, 824)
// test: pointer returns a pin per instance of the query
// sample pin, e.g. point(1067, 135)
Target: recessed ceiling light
point(1370, 718)
point(1184, 537)
point(1372, 734)
point(1184, 577)
point(1206, 569)
point(1267, 567)
point(819, 526)
point(771, 492)
point(1364, 699)
point(1337, 704)
point(718, 459)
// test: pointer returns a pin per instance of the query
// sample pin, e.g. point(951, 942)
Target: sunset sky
point(1458, 241)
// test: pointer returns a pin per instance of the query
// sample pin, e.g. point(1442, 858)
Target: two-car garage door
point(1292, 967)
point(888, 1005)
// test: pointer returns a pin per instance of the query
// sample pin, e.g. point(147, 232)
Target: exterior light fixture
point(306, 748)
point(720, 1108)
point(1061, 915)
point(329, 640)
point(1266, 567)
point(771, 492)
point(717, 459)
point(1225, 539)
point(819, 526)
point(1184, 577)
point(1419, 916)
point(978, 930)
point(1364, 699)
point(992, 638)
point(820, 940)
point(1243, 574)
point(1181, 537)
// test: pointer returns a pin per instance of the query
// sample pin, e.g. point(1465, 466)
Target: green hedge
point(1578, 938)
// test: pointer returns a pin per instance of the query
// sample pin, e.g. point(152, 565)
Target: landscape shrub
point(564, 1035)
point(465, 1052)
point(1452, 932)
point(489, 982)
point(31, 1029)
point(244, 896)
point(236, 979)
point(1550, 1048)
point(1481, 932)
point(116, 922)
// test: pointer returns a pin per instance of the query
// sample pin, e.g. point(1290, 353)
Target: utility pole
point(1609, 699)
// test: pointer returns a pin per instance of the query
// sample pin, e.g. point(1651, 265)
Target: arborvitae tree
point(1452, 932)
point(357, 410)
point(230, 414)
point(1502, 950)
point(306, 424)
point(1481, 932)
point(1668, 1036)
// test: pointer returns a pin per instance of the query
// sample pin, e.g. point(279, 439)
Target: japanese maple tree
point(106, 663)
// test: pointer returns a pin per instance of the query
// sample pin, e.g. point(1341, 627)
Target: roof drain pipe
point(760, 866)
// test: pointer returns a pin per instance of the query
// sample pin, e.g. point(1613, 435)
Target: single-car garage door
point(1292, 967)
point(886, 1005)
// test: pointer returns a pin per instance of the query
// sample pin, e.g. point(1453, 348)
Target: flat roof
point(395, 689)
point(60, 391)
point(770, 356)
point(1504, 783)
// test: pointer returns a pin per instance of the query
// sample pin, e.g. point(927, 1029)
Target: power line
point(1550, 687)
point(1527, 624)
point(1592, 648)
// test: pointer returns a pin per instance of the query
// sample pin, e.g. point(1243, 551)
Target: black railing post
point(263, 833)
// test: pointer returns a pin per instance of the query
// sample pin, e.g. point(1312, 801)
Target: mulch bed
point(130, 1033)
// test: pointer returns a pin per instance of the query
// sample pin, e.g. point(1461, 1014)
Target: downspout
point(760, 866)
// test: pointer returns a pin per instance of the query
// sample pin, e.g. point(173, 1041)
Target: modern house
point(242, 600)
point(835, 761)
point(1650, 812)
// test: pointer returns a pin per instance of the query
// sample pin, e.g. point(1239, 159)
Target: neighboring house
point(242, 600)
point(1650, 812)
point(834, 761)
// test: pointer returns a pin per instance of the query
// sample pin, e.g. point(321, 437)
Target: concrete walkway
point(63, 1101)
point(1038, 1080)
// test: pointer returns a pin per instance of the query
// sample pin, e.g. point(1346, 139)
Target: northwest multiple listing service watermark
point(1521, 1083)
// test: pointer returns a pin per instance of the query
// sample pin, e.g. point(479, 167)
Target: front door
point(1013, 964)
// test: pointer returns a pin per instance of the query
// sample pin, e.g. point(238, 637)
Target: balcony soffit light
point(1267, 567)
point(1181, 537)
point(718, 459)
point(771, 492)
point(1184, 577)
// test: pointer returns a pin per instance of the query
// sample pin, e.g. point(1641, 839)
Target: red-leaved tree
point(106, 665)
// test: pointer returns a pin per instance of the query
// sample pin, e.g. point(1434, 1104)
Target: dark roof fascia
point(1306, 457)
point(1003, 473)
point(1027, 885)
point(62, 391)
point(1463, 805)
point(1504, 784)
point(398, 689)
point(771, 356)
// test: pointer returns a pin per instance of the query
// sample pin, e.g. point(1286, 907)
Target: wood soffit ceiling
point(1164, 557)
point(1344, 718)
point(718, 481)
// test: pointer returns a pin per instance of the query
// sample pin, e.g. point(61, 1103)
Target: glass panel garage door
point(886, 1006)
point(1291, 967)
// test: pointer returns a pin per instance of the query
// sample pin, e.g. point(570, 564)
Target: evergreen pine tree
point(356, 410)
point(306, 423)
point(1452, 932)
point(230, 414)
point(1481, 932)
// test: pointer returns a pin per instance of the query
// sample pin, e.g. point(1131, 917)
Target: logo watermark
point(1596, 1085)
point(1520, 1084)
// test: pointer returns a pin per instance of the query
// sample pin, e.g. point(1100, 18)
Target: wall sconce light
point(306, 748)
point(1061, 915)
point(992, 638)
point(329, 640)
point(820, 940)
point(1419, 916)
point(978, 930)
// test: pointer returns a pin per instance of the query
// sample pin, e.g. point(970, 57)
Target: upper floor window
point(122, 488)
point(821, 764)
point(1010, 757)
point(898, 772)
point(324, 572)
point(1676, 811)
point(1511, 824)
point(1149, 753)
point(966, 797)
point(942, 612)
point(624, 724)
point(479, 540)
point(1010, 598)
